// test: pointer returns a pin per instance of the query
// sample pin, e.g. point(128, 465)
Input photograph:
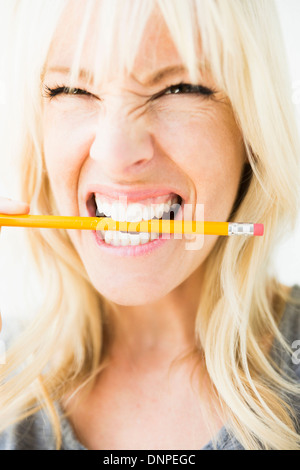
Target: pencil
point(153, 225)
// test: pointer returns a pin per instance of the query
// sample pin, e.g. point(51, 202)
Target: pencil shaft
point(49, 221)
point(106, 223)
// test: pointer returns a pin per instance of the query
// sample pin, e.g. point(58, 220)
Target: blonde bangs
point(119, 32)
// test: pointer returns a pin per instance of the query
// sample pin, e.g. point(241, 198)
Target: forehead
point(99, 48)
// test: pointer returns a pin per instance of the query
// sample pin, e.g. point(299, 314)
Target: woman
point(151, 346)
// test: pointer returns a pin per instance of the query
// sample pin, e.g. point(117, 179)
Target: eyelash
point(180, 88)
point(58, 90)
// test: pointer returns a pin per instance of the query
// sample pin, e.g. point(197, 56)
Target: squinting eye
point(179, 89)
point(185, 88)
point(188, 88)
point(59, 90)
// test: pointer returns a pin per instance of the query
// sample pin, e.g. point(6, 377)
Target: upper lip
point(133, 195)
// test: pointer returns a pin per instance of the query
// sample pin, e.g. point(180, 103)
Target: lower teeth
point(117, 238)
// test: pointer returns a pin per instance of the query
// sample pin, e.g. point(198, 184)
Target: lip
point(132, 195)
point(138, 250)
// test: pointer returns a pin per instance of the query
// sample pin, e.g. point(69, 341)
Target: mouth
point(166, 207)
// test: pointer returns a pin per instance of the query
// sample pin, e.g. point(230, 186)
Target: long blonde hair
point(65, 338)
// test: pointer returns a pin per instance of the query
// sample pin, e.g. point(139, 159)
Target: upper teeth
point(132, 212)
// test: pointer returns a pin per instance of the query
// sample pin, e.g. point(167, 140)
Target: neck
point(165, 327)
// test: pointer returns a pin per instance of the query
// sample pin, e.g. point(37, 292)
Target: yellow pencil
point(153, 225)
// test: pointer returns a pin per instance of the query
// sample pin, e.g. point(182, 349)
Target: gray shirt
point(35, 432)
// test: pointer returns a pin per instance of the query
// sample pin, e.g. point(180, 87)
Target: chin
point(130, 296)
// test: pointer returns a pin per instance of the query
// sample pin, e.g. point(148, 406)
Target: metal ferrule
point(240, 229)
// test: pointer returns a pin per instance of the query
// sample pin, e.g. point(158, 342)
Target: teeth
point(133, 212)
point(160, 209)
point(145, 237)
point(106, 209)
point(166, 208)
point(148, 212)
point(154, 236)
point(126, 239)
point(134, 239)
point(108, 235)
point(116, 239)
point(118, 212)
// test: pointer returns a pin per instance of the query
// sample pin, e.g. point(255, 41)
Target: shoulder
point(32, 433)
point(289, 327)
point(36, 433)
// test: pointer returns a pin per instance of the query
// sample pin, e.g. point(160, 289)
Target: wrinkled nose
point(122, 145)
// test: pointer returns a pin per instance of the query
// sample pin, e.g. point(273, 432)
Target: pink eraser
point(258, 229)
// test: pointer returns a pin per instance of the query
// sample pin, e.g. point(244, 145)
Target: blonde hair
point(241, 42)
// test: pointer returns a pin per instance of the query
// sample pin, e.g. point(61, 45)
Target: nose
point(122, 145)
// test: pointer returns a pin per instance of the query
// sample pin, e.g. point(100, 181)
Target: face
point(135, 142)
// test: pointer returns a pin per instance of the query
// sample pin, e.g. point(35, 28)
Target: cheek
point(207, 145)
point(66, 147)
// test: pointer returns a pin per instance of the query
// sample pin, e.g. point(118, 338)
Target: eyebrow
point(83, 73)
point(157, 77)
point(148, 81)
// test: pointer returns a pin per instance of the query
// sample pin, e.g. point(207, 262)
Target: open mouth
point(133, 212)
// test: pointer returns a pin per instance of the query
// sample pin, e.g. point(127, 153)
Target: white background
point(287, 261)
point(288, 256)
